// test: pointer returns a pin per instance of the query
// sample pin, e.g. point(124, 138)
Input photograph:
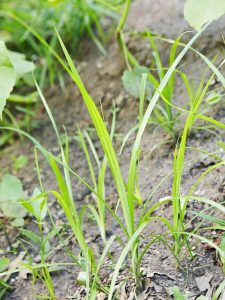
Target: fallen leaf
point(203, 282)
point(101, 296)
point(23, 274)
point(17, 261)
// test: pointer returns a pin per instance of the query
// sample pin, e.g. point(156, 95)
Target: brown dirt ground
point(102, 77)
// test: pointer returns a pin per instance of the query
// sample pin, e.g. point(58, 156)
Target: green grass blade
point(100, 262)
point(92, 147)
point(219, 290)
point(103, 136)
point(66, 173)
point(122, 257)
point(88, 158)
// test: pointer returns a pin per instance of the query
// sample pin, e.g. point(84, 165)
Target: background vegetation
point(43, 35)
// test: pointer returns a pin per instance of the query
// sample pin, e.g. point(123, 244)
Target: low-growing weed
point(37, 207)
point(180, 203)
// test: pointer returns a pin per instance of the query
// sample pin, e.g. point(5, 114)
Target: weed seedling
point(37, 207)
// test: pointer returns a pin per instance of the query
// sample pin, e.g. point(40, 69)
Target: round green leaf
point(199, 12)
point(132, 82)
point(10, 188)
point(12, 209)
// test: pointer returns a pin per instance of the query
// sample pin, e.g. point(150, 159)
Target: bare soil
point(102, 77)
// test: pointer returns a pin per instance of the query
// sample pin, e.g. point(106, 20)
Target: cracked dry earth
point(102, 77)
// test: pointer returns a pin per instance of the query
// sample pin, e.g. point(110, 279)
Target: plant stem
point(123, 17)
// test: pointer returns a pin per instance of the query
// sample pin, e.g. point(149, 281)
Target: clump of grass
point(125, 192)
point(128, 200)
